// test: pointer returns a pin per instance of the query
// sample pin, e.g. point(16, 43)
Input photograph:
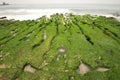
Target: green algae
point(92, 39)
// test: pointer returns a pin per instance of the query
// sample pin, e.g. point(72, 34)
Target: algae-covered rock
point(54, 46)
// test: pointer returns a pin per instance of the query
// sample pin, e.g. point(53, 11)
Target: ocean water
point(34, 11)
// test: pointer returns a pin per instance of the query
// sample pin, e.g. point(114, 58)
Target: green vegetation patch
point(62, 47)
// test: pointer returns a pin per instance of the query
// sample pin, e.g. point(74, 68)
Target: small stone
point(4, 17)
point(102, 69)
point(83, 69)
point(62, 49)
point(30, 69)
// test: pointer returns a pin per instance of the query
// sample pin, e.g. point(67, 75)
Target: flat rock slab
point(29, 68)
point(83, 69)
point(102, 69)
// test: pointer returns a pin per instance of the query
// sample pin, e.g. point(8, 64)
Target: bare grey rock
point(102, 69)
point(83, 69)
point(62, 49)
point(29, 68)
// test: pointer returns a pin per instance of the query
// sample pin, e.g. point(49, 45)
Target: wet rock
point(12, 20)
point(29, 68)
point(3, 17)
point(116, 14)
point(83, 68)
point(102, 69)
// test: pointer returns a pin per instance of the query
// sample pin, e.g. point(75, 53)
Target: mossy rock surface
point(54, 47)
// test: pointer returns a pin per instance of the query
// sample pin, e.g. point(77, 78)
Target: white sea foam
point(30, 14)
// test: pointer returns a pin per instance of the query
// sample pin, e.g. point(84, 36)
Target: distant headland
point(4, 3)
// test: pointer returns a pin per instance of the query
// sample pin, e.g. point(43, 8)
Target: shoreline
point(33, 14)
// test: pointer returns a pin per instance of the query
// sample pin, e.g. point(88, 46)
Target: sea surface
point(34, 11)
